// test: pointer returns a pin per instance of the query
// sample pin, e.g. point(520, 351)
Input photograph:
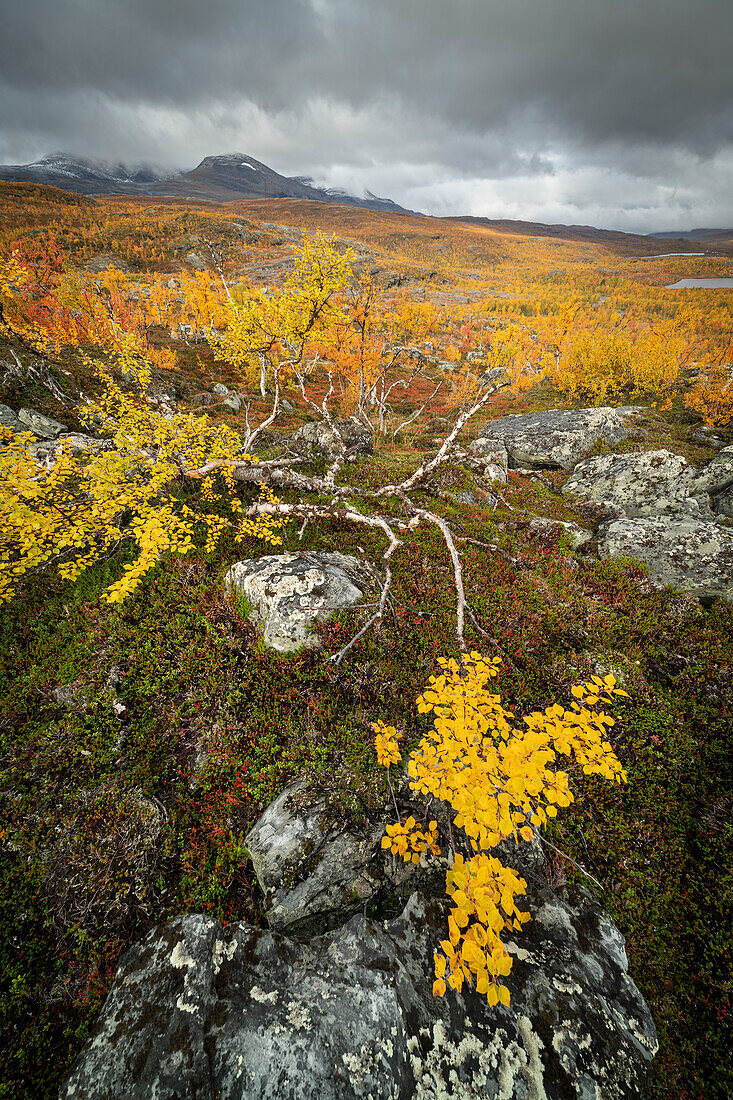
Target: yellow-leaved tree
point(85, 498)
point(267, 331)
point(502, 779)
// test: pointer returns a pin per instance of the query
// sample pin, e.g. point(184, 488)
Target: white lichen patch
point(567, 985)
point(221, 951)
point(179, 959)
point(359, 1067)
point(299, 1017)
point(520, 952)
point(444, 1073)
point(261, 997)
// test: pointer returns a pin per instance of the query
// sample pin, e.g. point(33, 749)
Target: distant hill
point(695, 234)
point(575, 232)
point(216, 179)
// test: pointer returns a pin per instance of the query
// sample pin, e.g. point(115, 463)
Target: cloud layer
point(609, 112)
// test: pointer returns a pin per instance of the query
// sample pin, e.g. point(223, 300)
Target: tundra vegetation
point(144, 726)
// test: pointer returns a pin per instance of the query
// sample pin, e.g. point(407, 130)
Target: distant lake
point(690, 284)
point(662, 255)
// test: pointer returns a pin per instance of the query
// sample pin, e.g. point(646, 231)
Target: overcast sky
point(615, 113)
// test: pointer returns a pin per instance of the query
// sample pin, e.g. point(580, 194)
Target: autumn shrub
point(712, 395)
point(502, 781)
point(609, 365)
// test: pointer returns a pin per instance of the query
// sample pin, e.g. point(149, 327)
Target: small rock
point(291, 592)
point(220, 389)
point(578, 535)
point(73, 696)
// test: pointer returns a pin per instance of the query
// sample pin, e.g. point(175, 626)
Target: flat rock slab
point(647, 484)
point(291, 592)
point(237, 1013)
point(693, 555)
point(556, 437)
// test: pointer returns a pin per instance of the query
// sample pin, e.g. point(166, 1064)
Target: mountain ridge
point(221, 178)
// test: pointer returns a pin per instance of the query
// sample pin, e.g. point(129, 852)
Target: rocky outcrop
point(200, 1010)
point(664, 516)
point(556, 437)
point(692, 555)
point(651, 483)
point(288, 593)
point(318, 439)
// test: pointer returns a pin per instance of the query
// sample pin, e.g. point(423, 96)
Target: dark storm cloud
point(583, 97)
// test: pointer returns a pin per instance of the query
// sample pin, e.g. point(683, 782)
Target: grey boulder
point(42, 426)
point(318, 857)
point(556, 437)
point(288, 593)
point(695, 556)
point(646, 484)
point(577, 536)
point(319, 439)
point(237, 1013)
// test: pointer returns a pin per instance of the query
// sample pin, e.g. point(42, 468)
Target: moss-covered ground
point(129, 801)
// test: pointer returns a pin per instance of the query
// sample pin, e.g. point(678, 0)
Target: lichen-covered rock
point(42, 426)
point(556, 437)
point(199, 1010)
point(318, 439)
point(290, 592)
point(717, 475)
point(646, 484)
point(692, 555)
